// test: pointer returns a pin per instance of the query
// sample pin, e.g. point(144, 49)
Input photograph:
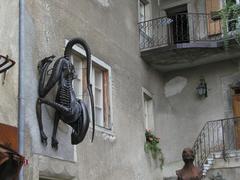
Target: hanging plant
point(230, 17)
point(152, 147)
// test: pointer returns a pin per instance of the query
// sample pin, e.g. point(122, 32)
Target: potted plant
point(152, 147)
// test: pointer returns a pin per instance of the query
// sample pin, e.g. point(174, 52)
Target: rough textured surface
point(185, 112)
point(111, 34)
point(9, 46)
point(175, 86)
point(228, 170)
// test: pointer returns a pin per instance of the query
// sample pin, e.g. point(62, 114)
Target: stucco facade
point(110, 28)
point(9, 46)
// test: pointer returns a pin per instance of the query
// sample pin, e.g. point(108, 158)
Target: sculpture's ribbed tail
point(67, 54)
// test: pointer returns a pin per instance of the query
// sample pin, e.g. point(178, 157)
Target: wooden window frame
point(107, 90)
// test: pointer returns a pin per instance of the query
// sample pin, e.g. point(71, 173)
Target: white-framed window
point(101, 86)
point(144, 10)
point(142, 15)
point(147, 99)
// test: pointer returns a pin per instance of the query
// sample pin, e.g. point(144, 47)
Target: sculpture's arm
point(54, 78)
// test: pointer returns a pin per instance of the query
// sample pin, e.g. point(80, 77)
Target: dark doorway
point(179, 27)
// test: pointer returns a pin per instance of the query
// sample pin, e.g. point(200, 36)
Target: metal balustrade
point(181, 28)
point(219, 136)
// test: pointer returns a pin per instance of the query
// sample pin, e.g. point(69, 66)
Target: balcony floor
point(186, 55)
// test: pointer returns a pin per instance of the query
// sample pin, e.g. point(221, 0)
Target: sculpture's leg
point(39, 118)
point(54, 139)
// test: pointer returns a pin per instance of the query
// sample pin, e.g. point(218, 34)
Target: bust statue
point(189, 171)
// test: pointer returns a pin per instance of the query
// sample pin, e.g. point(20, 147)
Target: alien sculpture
point(68, 108)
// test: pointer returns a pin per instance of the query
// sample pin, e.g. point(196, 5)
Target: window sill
point(107, 134)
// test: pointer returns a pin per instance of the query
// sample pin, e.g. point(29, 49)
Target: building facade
point(148, 59)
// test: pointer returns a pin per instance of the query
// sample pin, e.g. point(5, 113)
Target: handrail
point(181, 28)
point(216, 136)
point(171, 16)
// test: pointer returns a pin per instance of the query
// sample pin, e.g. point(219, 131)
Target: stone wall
point(186, 113)
point(9, 46)
point(110, 28)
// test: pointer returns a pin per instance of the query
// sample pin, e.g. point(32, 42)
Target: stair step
point(206, 165)
point(210, 159)
point(210, 162)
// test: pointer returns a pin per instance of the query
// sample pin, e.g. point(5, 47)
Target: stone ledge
point(54, 168)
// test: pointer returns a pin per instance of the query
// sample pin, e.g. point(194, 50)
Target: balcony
point(184, 40)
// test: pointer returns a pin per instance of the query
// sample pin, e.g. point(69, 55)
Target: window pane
point(77, 83)
point(142, 11)
point(98, 97)
point(98, 93)
point(98, 78)
point(99, 116)
point(77, 87)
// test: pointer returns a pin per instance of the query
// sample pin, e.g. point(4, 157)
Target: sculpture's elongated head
point(188, 155)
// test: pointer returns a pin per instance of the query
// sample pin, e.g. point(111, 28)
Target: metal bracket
point(5, 63)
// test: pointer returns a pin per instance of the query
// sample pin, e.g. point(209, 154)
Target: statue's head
point(69, 70)
point(188, 155)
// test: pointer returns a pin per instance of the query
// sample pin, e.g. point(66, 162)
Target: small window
point(148, 109)
point(142, 12)
point(100, 79)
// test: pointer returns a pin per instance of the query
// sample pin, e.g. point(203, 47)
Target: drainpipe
point(21, 105)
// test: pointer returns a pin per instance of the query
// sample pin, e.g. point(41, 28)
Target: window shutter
point(106, 101)
point(214, 26)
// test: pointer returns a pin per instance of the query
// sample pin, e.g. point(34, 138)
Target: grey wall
point(9, 46)
point(110, 28)
point(185, 114)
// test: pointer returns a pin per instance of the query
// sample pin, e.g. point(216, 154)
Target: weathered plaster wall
point(186, 114)
point(9, 46)
point(110, 29)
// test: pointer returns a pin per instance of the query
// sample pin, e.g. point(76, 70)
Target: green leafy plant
point(152, 147)
point(230, 14)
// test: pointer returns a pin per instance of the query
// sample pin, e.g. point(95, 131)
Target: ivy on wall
point(229, 15)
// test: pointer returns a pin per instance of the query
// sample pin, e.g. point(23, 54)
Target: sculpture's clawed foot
point(43, 138)
point(54, 143)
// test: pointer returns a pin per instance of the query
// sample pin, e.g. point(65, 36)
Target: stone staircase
point(216, 140)
point(207, 165)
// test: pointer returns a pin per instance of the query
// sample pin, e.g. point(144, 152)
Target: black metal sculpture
point(5, 63)
point(69, 109)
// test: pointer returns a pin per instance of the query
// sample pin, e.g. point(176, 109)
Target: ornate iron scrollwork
point(69, 109)
point(5, 63)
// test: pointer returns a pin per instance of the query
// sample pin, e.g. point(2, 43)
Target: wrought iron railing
point(219, 136)
point(180, 28)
